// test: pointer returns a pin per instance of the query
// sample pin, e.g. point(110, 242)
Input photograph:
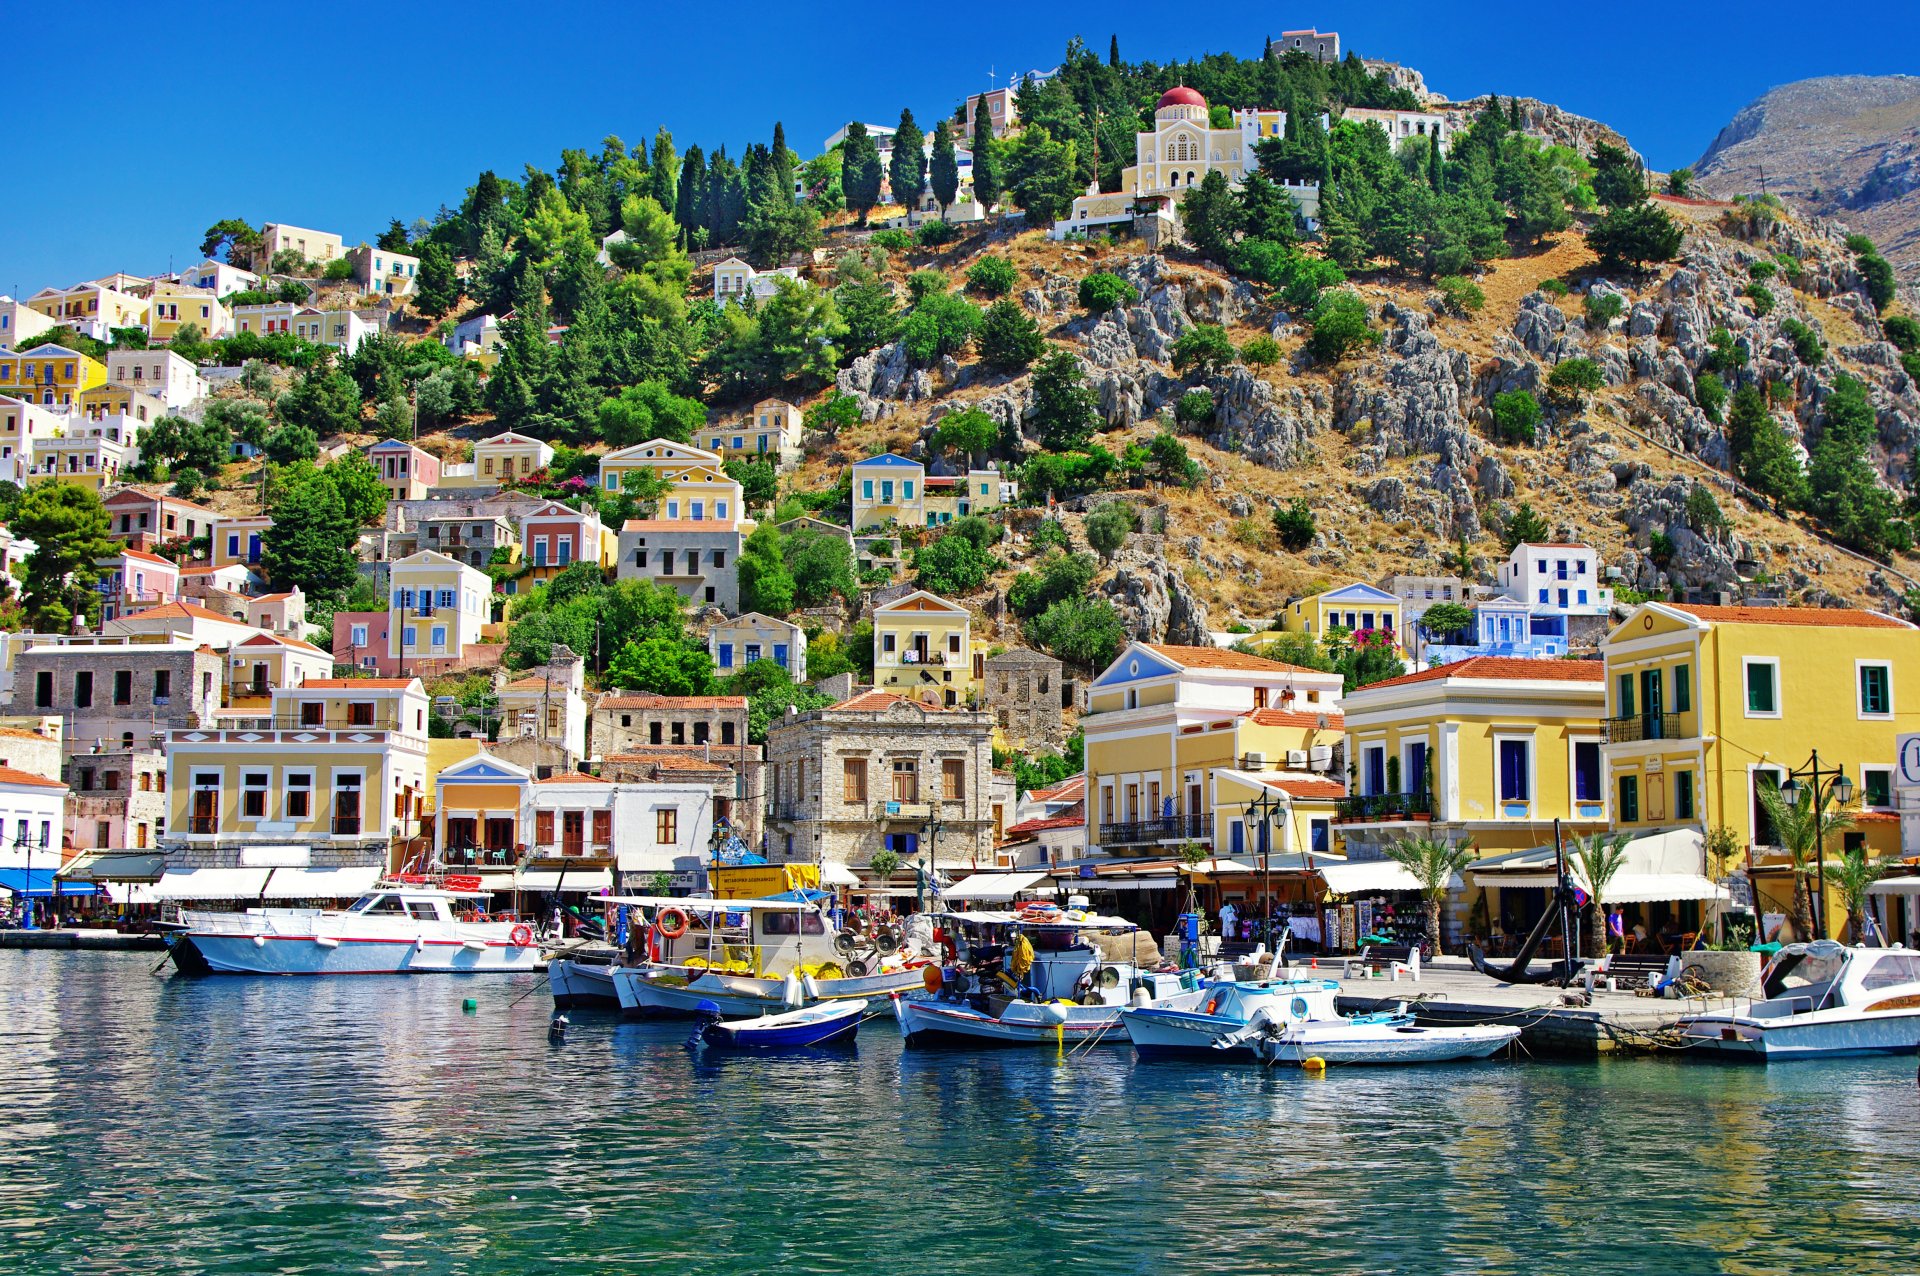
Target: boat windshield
point(1892, 970)
point(1804, 974)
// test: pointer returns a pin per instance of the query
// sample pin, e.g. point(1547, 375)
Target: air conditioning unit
point(1254, 762)
point(1320, 757)
point(1296, 759)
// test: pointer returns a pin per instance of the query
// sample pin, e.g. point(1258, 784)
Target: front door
point(573, 832)
point(1651, 702)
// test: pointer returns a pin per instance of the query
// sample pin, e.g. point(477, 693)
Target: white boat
point(752, 956)
point(1375, 1039)
point(1821, 999)
point(582, 979)
point(394, 929)
point(825, 1023)
point(1055, 991)
point(1226, 1009)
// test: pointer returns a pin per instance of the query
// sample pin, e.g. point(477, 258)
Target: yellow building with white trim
point(923, 646)
point(49, 376)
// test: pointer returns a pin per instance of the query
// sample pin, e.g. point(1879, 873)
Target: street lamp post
point(1837, 785)
point(1263, 814)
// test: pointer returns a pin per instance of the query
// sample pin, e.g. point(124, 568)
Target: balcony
point(1643, 726)
point(299, 722)
point(1168, 828)
point(1376, 807)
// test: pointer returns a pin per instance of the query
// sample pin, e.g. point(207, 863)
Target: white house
point(19, 321)
point(173, 380)
point(1562, 578)
point(734, 278)
point(219, 278)
point(33, 813)
point(1400, 126)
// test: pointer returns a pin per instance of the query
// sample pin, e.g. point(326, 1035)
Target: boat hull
point(928, 1021)
point(223, 954)
point(642, 991)
point(1819, 1035)
point(1159, 1033)
point(1348, 1043)
point(581, 984)
point(806, 1029)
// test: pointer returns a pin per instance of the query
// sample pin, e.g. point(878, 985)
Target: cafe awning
point(834, 873)
point(1625, 888)
point(1895, 886)
point(321, 883)
point(988, 886)
point(209, 883)
point(115, 866)
point(1373, 875)
point(39, 883)
point(589, 880)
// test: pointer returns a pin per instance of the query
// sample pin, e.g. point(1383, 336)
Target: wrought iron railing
point(1643, 726)
point(1384, 806)
point(1166, 828)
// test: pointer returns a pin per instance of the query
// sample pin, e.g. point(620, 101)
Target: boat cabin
point(1823, 973)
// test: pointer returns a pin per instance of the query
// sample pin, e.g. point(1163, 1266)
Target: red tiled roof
point(1075, 817)
point(1841, 617)
point(14, 775)
point(1221, 658)
point(1297, 718)
point(1313, 789)
point(18, 733)
point(1503, 669)
point(269, 639)
point(175, 611)
point(271, 598)
point(1071, 787)
point(876, 700)
point(145, 557)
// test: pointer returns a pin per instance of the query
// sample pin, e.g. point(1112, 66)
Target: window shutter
point(543, 826)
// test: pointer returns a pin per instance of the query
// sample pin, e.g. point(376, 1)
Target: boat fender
point(1140, 997)
point(1315, 1065)
point(672, 922)
point(790, 991)
point(931, 978)
point(1213, 1004)
point(653, 943)
point(1055, 1012)
point(259, 941)
point(809, 986)
point(520, 936)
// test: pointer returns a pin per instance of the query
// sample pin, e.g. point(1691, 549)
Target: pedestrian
point(1617, 929)
point(1228, 916)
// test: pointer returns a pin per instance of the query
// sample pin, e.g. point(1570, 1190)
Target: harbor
point(140, 1115)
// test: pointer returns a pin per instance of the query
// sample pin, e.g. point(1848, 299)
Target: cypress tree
point(908, 171)
point(986, 175)
point(691, 189)
point(665, 171)
point(1513, 113)
point(784, 160)
point(1113, 51)
point(943, 172)
point(860, 170)
point(1435, 174)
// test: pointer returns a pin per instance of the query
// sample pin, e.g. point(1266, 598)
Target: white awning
point(1372, 875)
point(1895, 886)
point(997, 886)
point(321, 883)
point(1626, 888)
point(209, 883)
point(1129, 884)
point(837, 874)
point(576, 879)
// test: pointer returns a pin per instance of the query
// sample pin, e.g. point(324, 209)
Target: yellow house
point(239, 539)
point(332, 775)
point(437, 610)
point(50, 376)
point(92, 461)
point(701, 494)
point(889, 489)
point(509, 456)
point(477, 804)
point(174, 306)
point(92, 309)
point(658, 455)
point(1164, 721)
point(771, 431)
point(267, 662)
point(1488, 750)
point(734, 644)
point(1354, 609)
point(1707, 705)
point(923, 646)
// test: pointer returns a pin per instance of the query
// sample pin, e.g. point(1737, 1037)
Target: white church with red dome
point(1181, 150)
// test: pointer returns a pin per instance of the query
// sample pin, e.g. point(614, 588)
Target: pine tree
point(394, 238)
point(438, 288)
point(908, 171)
point(1514, 121)
point(986, 170)
point(520, 377)
point(1763, 456)
point(860, 170)
point(943, 171)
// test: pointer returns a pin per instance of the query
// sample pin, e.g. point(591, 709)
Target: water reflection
point(248, 1125)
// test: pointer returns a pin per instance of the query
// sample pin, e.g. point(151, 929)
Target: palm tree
point(1598, 858)
point(1433, 864)
point(1851, 877)
point(1799, 825)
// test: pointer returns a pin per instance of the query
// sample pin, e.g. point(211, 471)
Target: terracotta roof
point(1503, 669)
point(875, 701)
point(17, 733)
point(573, 777)
point(1843, 617)
point(359, 684)
point(648, 700)
point(270, 598)
point(1875, 817)
point(176, 611)
point(1222, 658)
point(280, 640)
point(1068, 789)
point(145, 557)
point(205, 569)
point(1552, 545)
point(1315, 789)
point(1297, 718)
point(14, 775)
point(1074, 817)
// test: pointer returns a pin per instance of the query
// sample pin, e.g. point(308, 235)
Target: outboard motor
point(705, 1014)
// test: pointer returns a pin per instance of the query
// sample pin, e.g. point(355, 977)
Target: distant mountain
point(1841, 146)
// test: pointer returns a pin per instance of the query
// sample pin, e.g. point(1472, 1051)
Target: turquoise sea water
point(251, 1125)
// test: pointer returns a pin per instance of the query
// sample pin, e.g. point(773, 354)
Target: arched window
point(1189, 177)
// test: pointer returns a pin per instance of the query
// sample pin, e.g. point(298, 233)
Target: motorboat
point(1386, 1037)
point(824, 1023)
point(1821, 999)
point(1226, 1009)
point(1028, 978)
point(397, 928)
point(581, 974)
point(752, 956)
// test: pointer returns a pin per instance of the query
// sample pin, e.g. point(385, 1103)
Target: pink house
point(360, 642)
point(134, 580)
point(554, 537)
point(408, 473)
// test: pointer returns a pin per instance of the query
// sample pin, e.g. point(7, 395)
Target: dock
point(1453, 993)
point(88, 940)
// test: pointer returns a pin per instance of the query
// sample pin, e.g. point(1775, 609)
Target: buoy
point(470, 1005)
point(1314, 1064)
point(557, 1027)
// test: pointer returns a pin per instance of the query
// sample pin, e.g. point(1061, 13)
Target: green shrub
point(1103, 290)
point(892, 240)
point(1109, 526)
point(1710, 392)
point(933, 233)
point(1195, 407)
point(1203, 348)
point(1572, 380)
point(1727, 353)
point(922, 284)
point(1294, 526)
point(992, 277)
point(1761, 271)
point(1762, 298)
point(1260, 352)
point(1340, 327)
point(1791, 268)
point(1806, 342)
point(1903, 332)
point(1516, 416)
point(1859, 245)
point(1010, 340)
point(1660, 546)
point(1876, 272)
point(940, 325)
point(1051, 534)
point(1554, 287)
point(1603, 308)
point(1911, 362)
point(1460, 295)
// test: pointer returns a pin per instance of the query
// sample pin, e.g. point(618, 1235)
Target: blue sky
point(340, 117)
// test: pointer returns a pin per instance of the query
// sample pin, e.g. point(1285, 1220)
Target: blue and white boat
point(1222, 1012)
point(1822, 999)
point(825, 1023)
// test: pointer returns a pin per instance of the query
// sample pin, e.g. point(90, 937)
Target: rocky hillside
point(1394, 450)
point(1841, 146)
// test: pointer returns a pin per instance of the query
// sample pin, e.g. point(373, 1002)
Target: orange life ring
point(933, 978)
point(520, 936)
point(671, 929)
point(653, 943)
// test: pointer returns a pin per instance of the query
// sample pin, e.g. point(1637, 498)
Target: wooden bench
point(1636, 970)
point(1395, 959)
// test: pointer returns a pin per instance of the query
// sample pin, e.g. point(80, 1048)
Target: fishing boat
point(825, 1023)
point(1030, 978)
point(1821, 999)
point(752, 956)
point(1382, 1037)
point(1172, 1029)
point(397, 928)
point(582, 975)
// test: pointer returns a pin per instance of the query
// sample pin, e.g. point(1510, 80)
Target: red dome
point(1180, 96)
